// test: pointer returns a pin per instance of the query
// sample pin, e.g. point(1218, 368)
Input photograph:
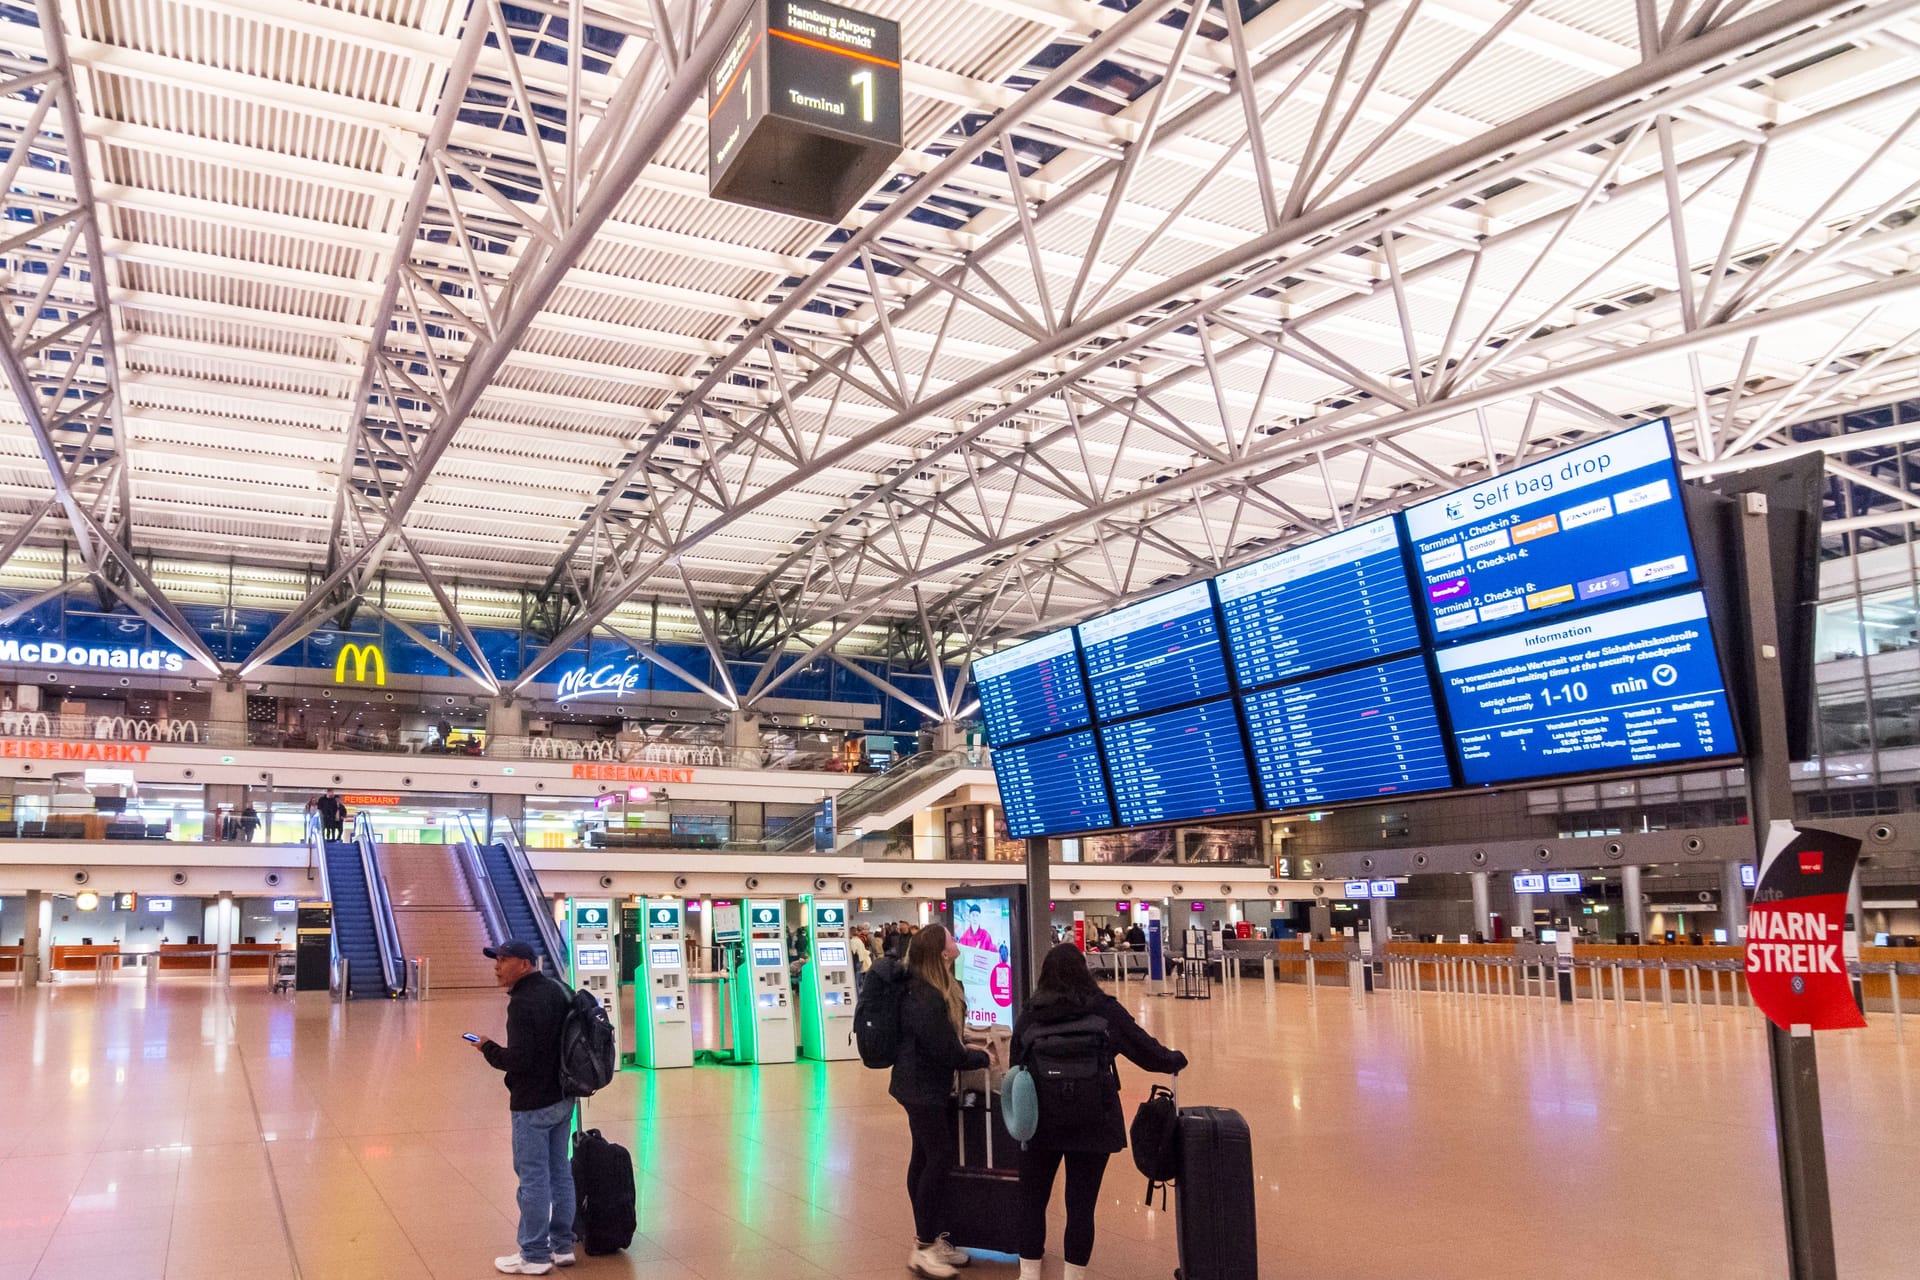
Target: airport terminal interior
point(1387, 526)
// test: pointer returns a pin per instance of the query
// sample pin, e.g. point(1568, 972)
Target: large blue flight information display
point(1051, 787)
point(1180, 764)
point(1333, 602)
point(1371, 731)
point(1032, 689)
point(1600, 524)
point(1638, 685)
point(1160, 653)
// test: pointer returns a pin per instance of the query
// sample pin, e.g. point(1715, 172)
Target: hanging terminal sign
point(803, 109)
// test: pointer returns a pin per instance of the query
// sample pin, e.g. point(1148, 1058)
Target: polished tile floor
point(189, 1131)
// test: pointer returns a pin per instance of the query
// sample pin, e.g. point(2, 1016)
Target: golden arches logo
point(362, 656)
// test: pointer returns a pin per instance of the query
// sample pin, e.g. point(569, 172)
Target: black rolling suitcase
point(982, 1208)
point(1213, 1197)
point(605, 1208)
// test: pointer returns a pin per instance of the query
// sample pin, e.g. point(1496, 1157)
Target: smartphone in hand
point(471, 1038)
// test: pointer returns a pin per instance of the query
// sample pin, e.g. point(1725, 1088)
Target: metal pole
point(1893, 985)
point(1039, 904)
point(1801, 1140)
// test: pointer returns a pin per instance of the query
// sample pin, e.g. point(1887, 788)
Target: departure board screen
point(1372, 731)
point(1032, 690)
point(1638, 685)
point(1054, 786)
point(1160, 653)
point(1180, 764)
point(1602, 523)
point(1337, 600)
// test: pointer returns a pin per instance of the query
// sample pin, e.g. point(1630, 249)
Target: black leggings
point(936, 1152)
point(1084, 1171)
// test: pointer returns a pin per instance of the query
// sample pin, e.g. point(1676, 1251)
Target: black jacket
point(1098, 1124)
point(536, 1010)
point(930, 1050)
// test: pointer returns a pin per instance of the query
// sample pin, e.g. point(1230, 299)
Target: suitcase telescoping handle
point(960, 1116)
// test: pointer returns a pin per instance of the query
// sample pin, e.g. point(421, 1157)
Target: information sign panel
point(1053, 786)
point(1367, 732)
point(1180, 764)
point(1333, 602)
point(1032, 690)
point(1525, 883)
point(1602, 523)
point(1564, 882)
point(1634, 686)
point(1156, 654)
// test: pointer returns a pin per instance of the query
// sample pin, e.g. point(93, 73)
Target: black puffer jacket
point(930, 1050)
point(1098, 1123)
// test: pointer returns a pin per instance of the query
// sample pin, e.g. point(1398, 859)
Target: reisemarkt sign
point(1795, 959)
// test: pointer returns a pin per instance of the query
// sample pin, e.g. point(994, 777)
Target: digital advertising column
point(826, 983)
point(762, 1007)
point(663, 1022)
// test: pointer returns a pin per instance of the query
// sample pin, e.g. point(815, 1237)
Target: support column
point(948, 736)
point(1320, 920)
point(1733, 901)
point(1523, 913)
point(227, 914)
point(31, 940)
point(1630, 895)
point(506, 718)
point(1482, 906)
point(1377, 912)
point(227, 710)
point(1039, 894)
point(743, 740)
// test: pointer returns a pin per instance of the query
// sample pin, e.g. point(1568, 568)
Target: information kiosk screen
point(1179, 764)
point(1032, 690)
point(1052, 787)
point(1633, 686)
point(1600, 524)
point(833, 953)
point(593, 958)
point(1333, 602)
point(663, 956)
point(1160, 653)
point(767, 954)
point(1371, 731)
point(983, 927)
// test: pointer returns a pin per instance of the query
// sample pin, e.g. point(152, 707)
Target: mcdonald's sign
point(363, 657)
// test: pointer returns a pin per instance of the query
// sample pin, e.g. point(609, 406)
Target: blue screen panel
point(1637, 685)
point(1179, 764)
point(1156, 654)
point(1032, 689)
point(1054, 786)
point(1335, 601)
point(1371, 731)
point(1599, 524)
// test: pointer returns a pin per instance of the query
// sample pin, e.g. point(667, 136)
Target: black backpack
point(876, 1018)
point(1070, 1061)
point(588, 1055)
point(604, 1217)
point(1155, 1138)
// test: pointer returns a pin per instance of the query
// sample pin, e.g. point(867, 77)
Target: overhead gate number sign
point(1796, 960)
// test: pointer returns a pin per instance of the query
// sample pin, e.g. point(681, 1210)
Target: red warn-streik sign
point(1796, 966)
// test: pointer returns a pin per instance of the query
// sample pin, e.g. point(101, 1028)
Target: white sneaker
point(924, 1262)
point(950, 1253)
point(564, 1259)
point(515, 1265)
point(1029, 1269)
point(1075, 1273)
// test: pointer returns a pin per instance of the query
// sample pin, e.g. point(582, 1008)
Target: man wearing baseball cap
point(536, 1012)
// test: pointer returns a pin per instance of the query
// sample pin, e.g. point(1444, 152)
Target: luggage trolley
point(280, 971)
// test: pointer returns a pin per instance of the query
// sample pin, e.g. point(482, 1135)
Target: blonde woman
point(932, 1011)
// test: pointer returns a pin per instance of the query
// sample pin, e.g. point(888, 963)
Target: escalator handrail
point(530, 890)
point(393, 966)
point(317, 856)
point(484, 893)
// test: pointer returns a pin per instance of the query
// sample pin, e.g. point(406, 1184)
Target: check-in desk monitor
point(660, 988)
point(763, 1011)
point(826, 982)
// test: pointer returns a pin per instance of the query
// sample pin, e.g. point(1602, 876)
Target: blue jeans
point(541, 1160)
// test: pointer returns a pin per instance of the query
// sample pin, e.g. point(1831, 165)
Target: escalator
point(510, 899)
point(878, 802)
point(359, 936)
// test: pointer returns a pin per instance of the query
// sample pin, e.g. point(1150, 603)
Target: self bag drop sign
point(1796, 967)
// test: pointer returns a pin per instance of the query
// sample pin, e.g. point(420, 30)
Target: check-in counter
point(254, 956)
point(81, 959)
point(1879, 986)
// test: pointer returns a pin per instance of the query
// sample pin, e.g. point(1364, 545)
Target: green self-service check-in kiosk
point(590, 952)
point(663, 1022)
point(762, 1005)
point(826, 982)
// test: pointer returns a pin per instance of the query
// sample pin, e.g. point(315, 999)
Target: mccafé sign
point(52, 653)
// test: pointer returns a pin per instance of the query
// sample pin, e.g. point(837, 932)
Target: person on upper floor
point(1070, 1023)
point(933, 1010)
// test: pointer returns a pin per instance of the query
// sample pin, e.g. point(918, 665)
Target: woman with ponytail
point(932, 1012)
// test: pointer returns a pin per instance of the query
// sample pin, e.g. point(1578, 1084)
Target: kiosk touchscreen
point(590, 944)
point(990, 924)
point(762, 1000)
point(826, 982)
point(663, 1022)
